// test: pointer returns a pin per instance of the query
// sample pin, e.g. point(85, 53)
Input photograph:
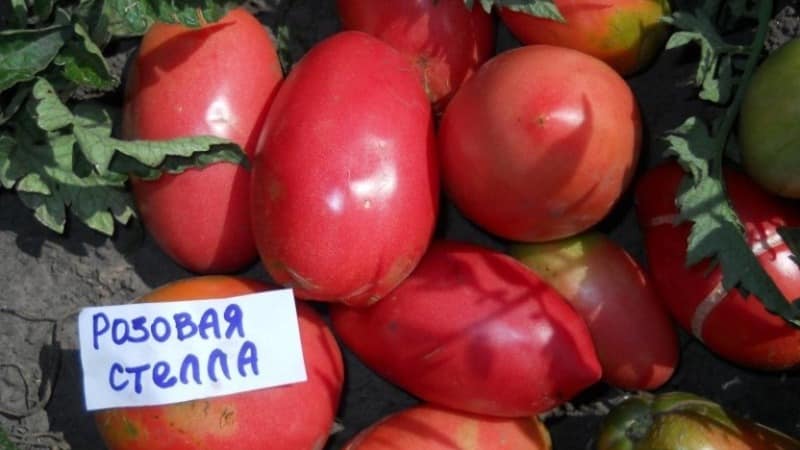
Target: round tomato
point(477, 331)
point(736, 327)
point(219, 80)
point(540, 143)
point(266, 418)
point(769, 124)
point(345, 181)
point(627, 34)
point(680, 420)
point(432, 427)
point(445, 41)
point(635, 339)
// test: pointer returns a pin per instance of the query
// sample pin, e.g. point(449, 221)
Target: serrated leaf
point(140, 14)
point(713, 76)
point(28, 52)
point(48, 210)
point(33, 183)
point(47, 109)
point(83, 63)
point(716, 233)
point(545, 9)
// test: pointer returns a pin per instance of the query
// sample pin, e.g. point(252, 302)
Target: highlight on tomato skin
point(443, 40)
point(636, 341)
point(345, 190)
point(682, 420)
point(737, 328)
point(626, 34)
point(474, 330)
point(265, 418)
point(218, 80)
point(431, 427)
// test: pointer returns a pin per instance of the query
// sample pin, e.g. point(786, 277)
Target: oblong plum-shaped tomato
point(219, 80)
point(633, 333)
point(737, 328)
point(345, 181)
point(540, 143)
point(626, 34)
point(477, 331)
point(680, 420)
point(429, 427)
point(444, 40)
point(265, 418)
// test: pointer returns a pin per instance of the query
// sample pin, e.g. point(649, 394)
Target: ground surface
point(45, 278)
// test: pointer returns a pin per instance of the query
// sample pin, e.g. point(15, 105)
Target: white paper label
point(168, 352)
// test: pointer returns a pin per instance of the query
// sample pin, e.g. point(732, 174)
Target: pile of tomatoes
point(351, 155)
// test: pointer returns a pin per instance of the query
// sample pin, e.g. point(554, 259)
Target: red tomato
point(445, 41)
point(635, 339)
point(428, 427)
point(345, 181)
point(627, 34)
point(539, 144)
point(737, 328)
point(215, 80)
point(266, 418)
point(476, 331)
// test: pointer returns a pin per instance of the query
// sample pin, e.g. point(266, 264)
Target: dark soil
point(45, 278)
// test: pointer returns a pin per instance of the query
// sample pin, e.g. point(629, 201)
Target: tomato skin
point(680, 420)
point(626, 34)
point(432, 427)
point(635, 339)
point(267, 418)
point(215, 80)
point(768, 125)
point(558, 142)
point(738, 329)
point(345, 180)
point(474, 330)
point(445, 41)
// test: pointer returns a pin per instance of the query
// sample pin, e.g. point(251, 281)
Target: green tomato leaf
point(95, 15)
point(46, 107)
point(28, 52)
point(714, 73)
point(140, 14)
point(545, 9)
point(18, 19)
point(83, 63)
point(717, 233)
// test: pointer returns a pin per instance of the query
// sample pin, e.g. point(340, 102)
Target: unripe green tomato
point(684, 421)
point(769, 123)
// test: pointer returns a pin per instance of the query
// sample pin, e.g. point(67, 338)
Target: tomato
point(736, 327)
point(769, 124)
point(477, 331)
point(540, 143)
point(627, 34)
point(432, 427)
point(266, 418)
point(215, 80)
point(345, 181)
point(445, 41)
point(635, 339)
point(680, 420)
